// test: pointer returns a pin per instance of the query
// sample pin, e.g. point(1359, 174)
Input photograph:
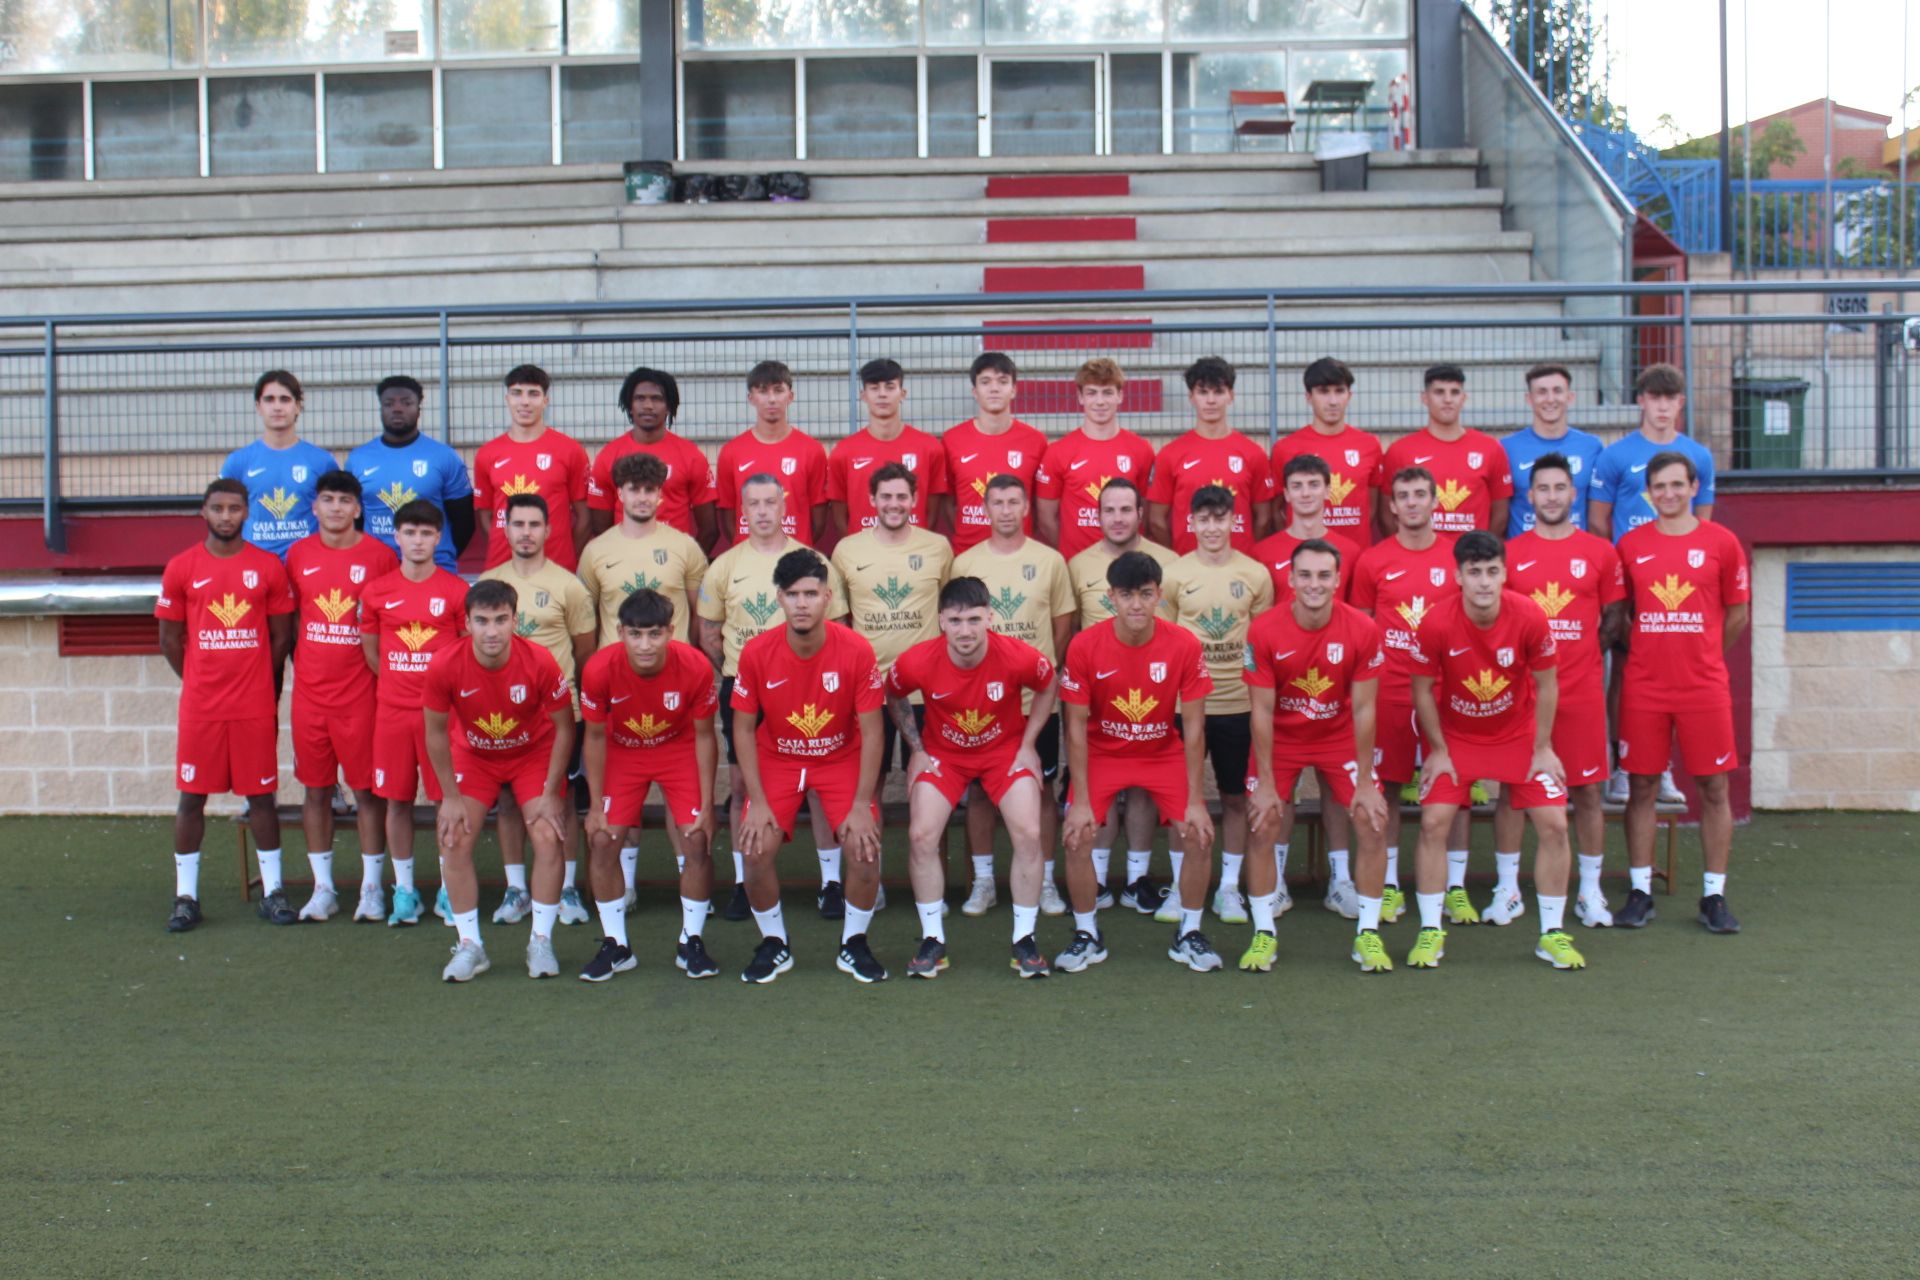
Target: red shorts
point(400, 764)
point(788, 782)
point(1580, 740)
point(524, 772)
point(1396, 741)
point(327, 743)
point(957, 770)
point(632, 773)
point(1706, 739)
point(211, 757)
point(1338, 774)
point(1504, 763)
point(1164, 779)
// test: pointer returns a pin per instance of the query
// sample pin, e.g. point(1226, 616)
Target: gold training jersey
point(1088, 573)
point(1218, 603)
point(614, 566)
point(1029, 589)
point(893, 592)
point(554, 607)
point(738, 594)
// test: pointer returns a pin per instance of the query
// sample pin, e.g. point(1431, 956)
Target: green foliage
point(1778, 144)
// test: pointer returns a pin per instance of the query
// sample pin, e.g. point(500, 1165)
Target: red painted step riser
point(1094, 337)
point(1065, 279)
point(1059, 395)
point(1049, 230)
point(1054, 185)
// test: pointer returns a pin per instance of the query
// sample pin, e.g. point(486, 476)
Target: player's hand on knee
point(452, 826)
point(1199, 824)
point(702, 827)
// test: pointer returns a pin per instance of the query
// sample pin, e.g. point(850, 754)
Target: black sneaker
point(927, 962)
point(1086, 949)
point(275, 909)
point(832, 901)
point(857, 959)
point(186, 915)
point(1103, 901)
point(1715, 914)
point(738, 908)
point(612, 958)
point(1636, 912)
point(1143, 895)
point(692, 959)
point(1027, 960)
point(770, 959)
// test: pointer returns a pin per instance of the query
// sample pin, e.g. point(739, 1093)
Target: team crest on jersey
point(1353, 457)
point(1578, 568)
point(1027, 572)
point(1437, 576)
point(542, 599)
point(1013, 457)
point(1504, 657)
point(299, 475)
point(914, 562)
point(1124, 462)
point(671, 700)
point(1238, 590)
point(995, 691)
point(1695, 558)
point(420, 467)
point(830, 681)
point(910, 460)
point(357, 573)
point(1336, 651)
point(789, 465)
point(517, 692)
point(1475, 458)
point(1235, 463)
point(544, 461)
point(437, 606)
point(249, 577)
point(1157, 672)
point(1575, 463)
point(660, 555)
point(186, 773)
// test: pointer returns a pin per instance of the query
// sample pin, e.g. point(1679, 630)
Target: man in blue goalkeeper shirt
point(279, 469)
point(1550, 397)
point(1617, 502)
point(400, 465)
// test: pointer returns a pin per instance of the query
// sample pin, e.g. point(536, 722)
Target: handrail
point(42, 597)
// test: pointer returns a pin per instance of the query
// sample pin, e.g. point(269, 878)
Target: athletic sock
point(1025, 921)
point(270, 881)
point(1087, 922)
point(545, 916)
point(613, 919)
point(1369, 914)
point(1189, 920)
point(567, 876)
point(1178, 857)
point(1641, 878)
point(1393, 865)
point(1046, 873)
point(693, 916)
point(740, 868)
point(983, 866)
point(1429, 908)
point(517, 876)
point(1711, 883)
point(372, 869)
point(1552, 912)
point(1230, 869)
point(1138, 860)
point(772, 923)
point(186, 875)
point(1590, 864)
point(467, 925)
point(403, 874)
point(1262, 906)
point(322, 864)
point(857, 921)
point(1338, 868)
point(931, 923)
point(630, 865)
point(1102, 863)
point(1507, 866)
point(1280, 865)
point(829, 866)
point(680, 864)
point(1456, 868)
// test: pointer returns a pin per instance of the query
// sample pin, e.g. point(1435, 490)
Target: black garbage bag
point(693, 188)
point(788, 186)
point(752, 187)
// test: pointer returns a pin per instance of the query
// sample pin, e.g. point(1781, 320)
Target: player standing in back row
point(991, 443)
point(1212, 453)
point(885, 440)
point(772, 446)
point(650, 400)
point(531, 457)
point(279, 470)
point(1077, 466)
point(1352, 455)
point(1473, 484)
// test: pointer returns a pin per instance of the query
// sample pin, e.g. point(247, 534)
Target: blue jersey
point(1581, 450)
point(1620, 477)
point(393, 477)
point(280, 487)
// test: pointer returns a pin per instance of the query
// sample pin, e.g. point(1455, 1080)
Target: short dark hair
point(529, 375)
point(1668, 458)
point(285, 379)
point(339, 480)
point(1547, 371)
point(1004, 481)
point(760, 477)
point(1477, 547)
point(400, 382)
point(1211, 372)
point(491, 593)
point(881, 370)
point(1407, 475)
point(642, 470)
point(798, 565)
point(1316, 544)
point(997, 361)
point(1306, 463)
point(769, 373)
point(1120, 482)
point(1327, 372)
point(1659, 380)
point(226, 485)
point(665, 381)
point(965, 593)
point(533, 500)
point(420, 511)
point(646, 609)
point(892, 471)
point(1215, 499)
point(1552, 462)
point(1443, 373)
point(1132, 570)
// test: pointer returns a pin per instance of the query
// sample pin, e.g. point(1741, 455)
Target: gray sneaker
point(469, 962)
point(541, 962)
point(513, 907)
point(1194, 951)
point(1670, 793)
point(572, 910)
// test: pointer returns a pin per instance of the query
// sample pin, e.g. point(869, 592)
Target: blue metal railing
point(1781, 224)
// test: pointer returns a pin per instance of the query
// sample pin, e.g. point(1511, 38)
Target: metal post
point(1886, 339)
point(1726, 142)
point(55, 530)
point(1273, 378)
point(1686, 350)
point(446, 385)
point(853, 367)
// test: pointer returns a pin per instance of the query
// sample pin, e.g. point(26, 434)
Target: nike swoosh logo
point(255, 471)
point(622, 698)
point(468, 693)
point(201, 583)
point(502, 462)
point(1637, 470)
point(937, 696)
point(862, 463)
point(1282, 657)
point(270, 782)
point(1422, 460)
point(1076, 466)
point(861, 568)
point(1644, 559)
point(1397, 573)
point(741, 579)
point(1588, 773)
point(393, 604)
point(307, 573)
point(367, 471)
point(1524, 565)
point(775, 684)
point(1190, 588)
point(1454, 653)
point(745, 466)
point(1723, 759)
point(1103, 675)
point(1190, 464)
point(967, 457)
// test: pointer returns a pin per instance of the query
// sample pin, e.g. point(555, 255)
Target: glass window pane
point(1344, 89)
point(953, 106)
point(862, 107)
point(1290, 19)
point(41, 133)
point(146, 130)
point(603, 26)
point(497, 116)
point(501, 27)
point(1069, 21)
point(293, 31)
point(98, 35)
point(798, 24)
point(379, 122)
point(600, 114)
point(739, 110)
point(1043, 108)
point(1136, 103)
point(1201, 83)
point(260, 124)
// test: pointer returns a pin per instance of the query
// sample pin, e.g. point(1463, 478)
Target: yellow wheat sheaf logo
point(1313, 684)
point(1094, 487)
point(1134, 707)
point(980, 485)
point(495, 725)
point(1338, 488)
point(1413, 611)
point(1486, 686)
point(279, 502)
point(1553, 599)
point(646, 726)
point(230, 611)
point(1672, 593)
point(396, 496)
point(335, 605)
point(414, 635)
point(810, 720)
point(519, 485)
point(1451, 494)
point(972, 722)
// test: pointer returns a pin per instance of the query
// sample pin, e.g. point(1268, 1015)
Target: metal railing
point(131, 411)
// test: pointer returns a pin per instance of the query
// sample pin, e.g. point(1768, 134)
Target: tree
point(1778, 144)
point(1553, 40)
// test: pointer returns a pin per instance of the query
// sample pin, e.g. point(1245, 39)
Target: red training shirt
point(1131, 692)
point(552, 465)
point(1401, 589)
point(689, 477)
point(809, 707)
point(497, 714)
point(971, 711)
point(1276, 553)
point(1312, 674)
point(653, 713)
point(1482, 677)
point(1681, 586)
point(851, 465)
point(1353, 456)
point(797, 460)
point(329, 667)
point(975, 457)
point(1072, 471)
point(1572, 580)
point(1191, 463)
point(1468, 474)
point(414, 621)
point(224, 602)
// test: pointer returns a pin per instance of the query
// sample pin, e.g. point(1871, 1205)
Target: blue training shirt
point(1582, 451)
point(280, 487)
point(1620, 477)
point(393, 477)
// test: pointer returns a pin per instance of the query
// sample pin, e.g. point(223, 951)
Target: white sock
point(680, 864)
point(322, 864)
point(1102, 863)
point(270, 871)
point(1138, 860)
point(1552, 912)
point(829, 866)
point(1280, 864)
point(517, 876)
point(403, 874)
point(1230, 869)
point(1046, 875)
point(545, 916)
point(467, 925)
point(932, 924)
point(186, 875)
point(1178, 857)
point(1262, 906)
point(1590, 864)
point(983, 866)
point(613, 919)
point(1429, 909)
point(630, 864)
point(1641, 878)
point(1508, 867)
point(857, 921)
point(693, 916)
point(1338, 867)
point(1087, 922)
point(1393, 865)
point(1369, 914)
point(772, 923)
point(740, 871)
point(1711, 883)
point(1189, 920)
point(572, 869)
point(372, 869)
point(1456, 868)
point(1025, 921)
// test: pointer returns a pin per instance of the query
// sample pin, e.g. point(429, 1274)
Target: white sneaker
point(541, 962)
point(1168, 912)
point(1591, 908)
point(980, 899)
point(628, 903)
point(1343, 899)
point(1617, 787)
point(572, 910)
point(880, 900)
point(469, 962)
point(323, 905)
point(1051, 903)
point(373, 904)
point(1508, 905)
point(1669, 793)
point(514, 906)
point(1229, 907)
point(1283, 903)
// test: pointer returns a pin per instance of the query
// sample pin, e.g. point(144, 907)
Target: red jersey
point(224, 602)
point(973, 458)
point(1572, 580)
point(1191, 463)
point(1468, 474)
point(329, 666)
point(501, 713)
point(644, 713)
point(1353, 456)
point(851, 465)
point(1312, 673)
point(809, 707)
point(1130, 691)
point(971, 711)
point(1276, 554)
point(414, 621)
point(552, 465)
point(1681, 585)
point(1401, 589)
point(1071, 472)
point(1482, 677)
point(689, 477)
point(798, 461)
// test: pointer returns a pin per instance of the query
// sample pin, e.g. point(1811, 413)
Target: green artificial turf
point(252, 1101)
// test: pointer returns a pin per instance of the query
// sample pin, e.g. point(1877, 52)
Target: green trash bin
point(649, 181)
point(1769, 423)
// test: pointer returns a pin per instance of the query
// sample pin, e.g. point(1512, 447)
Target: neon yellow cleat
point(1427, 949)
point(1393, 904)
point(1478, 793)
point(1410, 793)
point(1370, 953)
point(1556, 948)
point(1259, 955)
point(1460, 908)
